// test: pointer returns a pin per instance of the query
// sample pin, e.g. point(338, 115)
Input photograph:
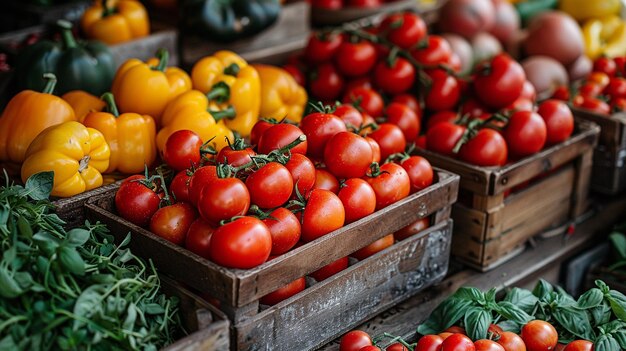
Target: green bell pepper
point(229, 20)
point(531, 8)
point(86, 66)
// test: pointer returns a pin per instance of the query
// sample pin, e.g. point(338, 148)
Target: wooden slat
point(613, 128)
point(609, 171)
point(584, 168)
point(473, 178)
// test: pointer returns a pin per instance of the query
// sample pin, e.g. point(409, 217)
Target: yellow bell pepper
point(131, 137)
point(192, 111)
point(145, 88)
point(83, 103)
point(281, 96)
point(76, 154)
point(231, 84)
point(585, 9)
point(115, 21)
point(605, 37)
point(26, 115)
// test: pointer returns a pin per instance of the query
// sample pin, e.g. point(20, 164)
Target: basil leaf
point(542, 289)
point(619, 243)
point(153, 308)
point(563, 297)
point(468, 293)
point(601, 314)
point(71, 260)
point(131, 316)
point(477, 321)
point(620, 337)
point(512, 312)
point(39, 185)
point(618, 304)
point(490, 296)
point(445, 316)
point(46, 242)
point(510, 326)
point(575, 321)
point(522, 298)
point(77, 237)
point(8, 344)
point(9, 288)
point(602, 286)
point(87, 304)
point(606, 343)
point(592, 298)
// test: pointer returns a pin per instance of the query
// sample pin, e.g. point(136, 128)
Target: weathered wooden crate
point(609, 171)
point(500, 208)
point(19, 13)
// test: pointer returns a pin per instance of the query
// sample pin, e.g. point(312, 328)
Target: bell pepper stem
point(220, 92)
point(83, 163)
point(66, 34)
point(109, 99)
point(51, 82)
point(106, 10)
point(164, 56)
point(228, 113)
point(232, 70)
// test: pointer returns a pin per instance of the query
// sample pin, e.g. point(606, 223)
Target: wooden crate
point(609, 172)
point(493, 226)
point(18, 14)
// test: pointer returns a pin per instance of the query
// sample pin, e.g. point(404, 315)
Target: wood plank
point(609, 171)
point(580, 194)
point(613, 128)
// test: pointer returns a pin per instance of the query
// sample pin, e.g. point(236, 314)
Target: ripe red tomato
point(243, 243)
point(259, 128)
point(172, 222)
point(322, 214)
point(281, 135)
point(433, 51)
point(330, 269)
point(367, 100)
point(618, 104)
point(392, 184)
point(442, 137)
point(539, 336)
point(410, 101)
point(201, 177)
point(223, 198)
point(285, 229)
point(326, 180)
point(347, 155)
point(319, 128)
point(521, 104)
point(579, 345)
point(444, 91)
point(364, 3)
point(444, 336)
point(235, 157)
point(390, 139)
point(405, 118)
point(373, 248)
point(457, 342)
point(322, 48)
point(354, 341)
point(605, 65)
point(594, 105)
point(616, 88)
point(364, 82)
point(326, 84)
point(199, 237)
point(370, 348)
point(599, 78)
point(179, 187)
point(355, 59)
point(136, 202)
point(429, 343)
point(404, 29)
point(375, 149)
point(327, 4)
point(284, 293)
point(474, 109)
point(511, 342)
point(302, 171)
point(528, 91)
point(296, 73)
point(358, 199)
point(396, 77)
point(525, 133)
point(412, 229)
point(590, 89)
point(487, 345)
point(270, 186)
point(499, 82)
point(420, 172)
point(559, 120)
point(349, 115)
point(561, 93)
point(487, 148)
point(396, 347)
point(455, 329)
point(441, 116)
point(620, 63)
point(182, 149)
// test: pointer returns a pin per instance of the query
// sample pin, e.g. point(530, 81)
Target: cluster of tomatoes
point(247, 204)
point(536, 335)
point(340, 4)
point(604, 90)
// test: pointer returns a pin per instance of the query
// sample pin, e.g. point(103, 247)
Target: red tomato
point(172, 222)
point(279, 136)
point(182, 149)
point(355, 59)
point(326, 84)
point(330, 269)
point(259, 128)
point(605, 65)
point(529, 91)
point(396, 347)
point(420, 172)
point(358, 199)
point(179, 187)
point(499, 82)
point(270, 186)
point(441, 116)
point(559, 120)
point(392, 184)
point(539, 336)
point(375, 149)
point(457, 342)
point(354, 341)
point(487, 148)
point(487, 345)
point(525, 133)
point(367, 100)
point(390, 139)
point(347, 155)
point(404, 29)
point(521, 104)
point(421, 142)
point(409, 101)
point(511, 342)
point(561, 93)
point(326, 180)
point(620, 63)
point(285, 229)
point(364, 3)
point(590, 89)
point(223, 198)
point(412, 229)
point(370, 348)
point(136, 202)
point(349, 115)
point(618, 104)
point(616, 88)
point(284, 293)
point(442, 137)
point(474, 109)
point(433, 51)
point(319, 128)
point(243, 243)
point(373, 248)
point(599, 78)
point(322, 48)
point(396, 77)
point(403, 117)
point(579, 345)
point(429, 343)
point(443, 93)
point(594, 105)
point(199, 238)
point(327, 4)
point(360, 82)
point(201, 177)
point(235, 157)
point(455, 329)
point(559, 347)
point(302, 171)
point(444, 336)
point(322, 214)
point(296, 73)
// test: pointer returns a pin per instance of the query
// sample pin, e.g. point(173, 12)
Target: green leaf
point(563, 297)
point(444, 316)
point(620, 337)
point(7, 344)
point(477, 321)
point(542, 289)
point(131, 317)
point(88, 303)
point(490, 296)
point(46, 242)
point(606, 343)
point(71, 260)
point(601, 314)
point(618, 304)
point(39, 185)
point(9, 288)
point(77, 237)
point(513, 312)
point(510, 326)
point(602, 286)
point(153, 308)
point(592, 298)
point(619, 243)
point(575, 321)
point(469, 293)
point(522, 298)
